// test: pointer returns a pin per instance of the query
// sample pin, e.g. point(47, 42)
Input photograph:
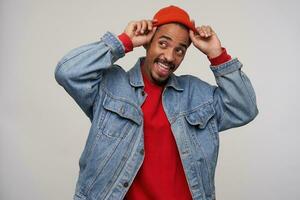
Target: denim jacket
point(112, 99)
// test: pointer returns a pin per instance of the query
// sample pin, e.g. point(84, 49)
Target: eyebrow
point(168, 38)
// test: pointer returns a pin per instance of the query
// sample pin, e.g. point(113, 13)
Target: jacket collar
point(136, 78)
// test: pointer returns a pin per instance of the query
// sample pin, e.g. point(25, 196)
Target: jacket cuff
point(116, 45)
point(227, 67)
point(127, 43)
point(222, 58)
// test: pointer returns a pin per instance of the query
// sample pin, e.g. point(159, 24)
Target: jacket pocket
point(200, 117)
point(119, 117)
point(204, 125)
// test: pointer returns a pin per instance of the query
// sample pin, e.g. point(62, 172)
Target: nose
point(169, 55)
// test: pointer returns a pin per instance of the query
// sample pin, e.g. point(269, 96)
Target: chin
point(160, 81)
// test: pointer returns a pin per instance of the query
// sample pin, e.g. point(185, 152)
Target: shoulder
point(115, 70)
point(114, 73)
point(193, 82)
point(116, 82)
point(196, 90)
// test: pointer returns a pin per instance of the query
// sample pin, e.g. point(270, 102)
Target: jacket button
point(143, 93)
point(142, 151)
point(125, 184)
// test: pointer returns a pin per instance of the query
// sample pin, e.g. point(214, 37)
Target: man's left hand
point(207, 41)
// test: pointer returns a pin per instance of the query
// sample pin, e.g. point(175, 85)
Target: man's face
point(165, 52)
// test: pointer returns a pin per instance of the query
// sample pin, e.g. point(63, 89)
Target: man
point(154, 135)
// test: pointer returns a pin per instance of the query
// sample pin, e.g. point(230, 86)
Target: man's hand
point(140, 32)
point(206, 41)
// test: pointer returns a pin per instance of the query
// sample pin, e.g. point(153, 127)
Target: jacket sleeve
point(82, 69)
point(234, 98)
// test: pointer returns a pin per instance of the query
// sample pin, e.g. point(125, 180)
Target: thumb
point(149, 37)
point(151, 33)
point(192, 36)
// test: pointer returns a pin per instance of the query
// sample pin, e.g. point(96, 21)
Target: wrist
point(214, 53)
point(222, 58)
point(126, 41)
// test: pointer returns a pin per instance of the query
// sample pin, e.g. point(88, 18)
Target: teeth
point(164, 66)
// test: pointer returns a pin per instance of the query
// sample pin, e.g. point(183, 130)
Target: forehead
point(175, 32)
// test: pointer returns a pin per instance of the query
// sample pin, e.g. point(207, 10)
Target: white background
point(43, 132)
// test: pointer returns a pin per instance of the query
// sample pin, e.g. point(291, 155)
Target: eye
point(180, 51)
point(163, 44)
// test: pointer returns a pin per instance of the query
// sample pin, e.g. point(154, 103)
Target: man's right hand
point(140, 32)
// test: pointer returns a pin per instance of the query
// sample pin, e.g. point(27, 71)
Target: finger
point(130, 28)
point(150, 26)
point(212, 32)
point(201, 31)
point(193, 36)
point(152, 32)
point(205, 31)
point(143, 27)
point(138, 26)
point(208, 31)
point(154, 22)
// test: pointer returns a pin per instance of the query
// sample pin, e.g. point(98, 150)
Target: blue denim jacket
point(112, 99)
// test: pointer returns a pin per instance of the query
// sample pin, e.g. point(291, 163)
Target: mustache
point(165, 62)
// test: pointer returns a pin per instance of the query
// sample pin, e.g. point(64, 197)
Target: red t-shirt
point(161, 175)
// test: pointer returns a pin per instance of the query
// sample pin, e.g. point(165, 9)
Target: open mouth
point(163, 68)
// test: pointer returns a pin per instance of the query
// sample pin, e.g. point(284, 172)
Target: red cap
point(173, 14)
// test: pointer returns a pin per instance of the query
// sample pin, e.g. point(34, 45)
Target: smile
point(163, 69)
point(163, 66)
